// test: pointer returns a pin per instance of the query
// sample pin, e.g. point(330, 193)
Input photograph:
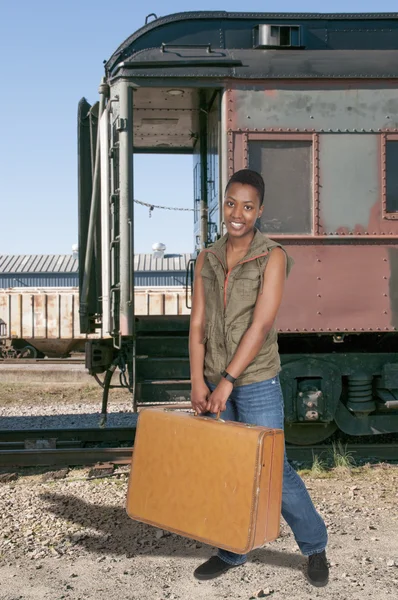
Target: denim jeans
point(262, 404)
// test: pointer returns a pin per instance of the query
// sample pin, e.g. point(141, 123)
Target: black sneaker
point(212, 568)
point(318, 569)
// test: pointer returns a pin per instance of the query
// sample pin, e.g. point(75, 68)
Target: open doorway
point(163, 180)
point(176, 139)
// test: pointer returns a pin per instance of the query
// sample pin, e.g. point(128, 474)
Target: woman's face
point(241, 209)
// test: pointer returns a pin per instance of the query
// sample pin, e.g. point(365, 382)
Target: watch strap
point(228, 377)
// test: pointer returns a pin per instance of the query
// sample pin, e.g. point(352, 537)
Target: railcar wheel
point(306, 434)
point(28, 352)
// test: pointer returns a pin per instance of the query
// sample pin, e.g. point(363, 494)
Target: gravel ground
point(56, 406)
point(71, 539)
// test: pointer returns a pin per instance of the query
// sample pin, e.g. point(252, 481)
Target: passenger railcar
point(310, 101)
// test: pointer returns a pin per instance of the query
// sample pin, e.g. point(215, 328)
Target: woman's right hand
point(199, 396)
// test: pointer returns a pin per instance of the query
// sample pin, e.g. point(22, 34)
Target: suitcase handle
point(217, 418)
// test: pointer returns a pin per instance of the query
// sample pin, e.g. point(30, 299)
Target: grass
point(319, 466)
point(341, 457)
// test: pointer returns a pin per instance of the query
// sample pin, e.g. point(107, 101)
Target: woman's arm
point(265, 313)
point(199, 390)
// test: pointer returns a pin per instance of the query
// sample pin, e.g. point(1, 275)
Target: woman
point(234, 355)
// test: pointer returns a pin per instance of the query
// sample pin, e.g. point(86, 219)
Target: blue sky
point(52, 54)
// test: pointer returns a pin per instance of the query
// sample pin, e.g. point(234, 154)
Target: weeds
point(341, 457)
point(318, 466)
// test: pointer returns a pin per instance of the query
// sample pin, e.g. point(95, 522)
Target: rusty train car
point(310, 101)
point(44, 322)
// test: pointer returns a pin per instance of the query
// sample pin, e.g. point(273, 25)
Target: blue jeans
point(262, 404)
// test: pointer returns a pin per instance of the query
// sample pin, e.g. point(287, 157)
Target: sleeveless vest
point(230, 298)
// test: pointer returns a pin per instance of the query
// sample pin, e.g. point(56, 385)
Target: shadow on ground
point(117, 534)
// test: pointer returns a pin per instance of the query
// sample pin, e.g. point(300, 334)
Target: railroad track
point(43, 361)
point(65, 447)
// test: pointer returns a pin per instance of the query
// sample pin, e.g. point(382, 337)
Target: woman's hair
point(249, 177)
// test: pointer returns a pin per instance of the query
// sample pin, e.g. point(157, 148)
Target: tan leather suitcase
point(213, 481)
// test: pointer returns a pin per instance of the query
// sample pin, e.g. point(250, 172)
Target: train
point(44, 322)
point(311, 102)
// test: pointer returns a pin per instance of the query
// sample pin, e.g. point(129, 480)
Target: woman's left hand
point(218, 398)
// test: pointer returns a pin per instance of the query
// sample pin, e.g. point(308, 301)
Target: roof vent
point(158, 250)
point(277, 36)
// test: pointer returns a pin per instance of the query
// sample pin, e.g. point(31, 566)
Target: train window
point(287, 170)
point(391, 176)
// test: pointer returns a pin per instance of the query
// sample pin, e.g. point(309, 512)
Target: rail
point(43, 361)
point(73, 456)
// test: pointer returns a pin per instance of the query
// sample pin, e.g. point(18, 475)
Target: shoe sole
point(318, 583)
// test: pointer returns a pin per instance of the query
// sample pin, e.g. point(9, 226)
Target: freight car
point(39, 322)
point(310, 101)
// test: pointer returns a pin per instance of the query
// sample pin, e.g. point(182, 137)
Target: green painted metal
point(158, 346)
point(325, 376)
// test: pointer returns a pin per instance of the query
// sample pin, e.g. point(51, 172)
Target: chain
point(153, 206)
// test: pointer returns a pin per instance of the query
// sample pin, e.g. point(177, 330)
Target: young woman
point(234, 355)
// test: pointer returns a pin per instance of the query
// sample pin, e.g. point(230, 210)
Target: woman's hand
point(218, 398)
point(199, 396)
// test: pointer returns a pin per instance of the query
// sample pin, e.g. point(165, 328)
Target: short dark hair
point(249, 177)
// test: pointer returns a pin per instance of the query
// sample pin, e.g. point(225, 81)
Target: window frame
point(386, 137)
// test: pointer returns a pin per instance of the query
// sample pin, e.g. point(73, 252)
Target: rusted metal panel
point(39, 305)
point(332, 106)
point(66, 316)
point(53, 316)
point(349, 181)
point(140, 303)
point(76, 317)
point(4, 315)
point(51, 320)
point(171, 303)
point(27, 316)
point(345, 288)
point(156, 304)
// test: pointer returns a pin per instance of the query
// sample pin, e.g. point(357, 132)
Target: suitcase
point(218, 482)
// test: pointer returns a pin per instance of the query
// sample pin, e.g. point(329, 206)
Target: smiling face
point(241, 209)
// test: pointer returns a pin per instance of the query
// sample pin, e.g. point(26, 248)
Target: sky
point(52, 55)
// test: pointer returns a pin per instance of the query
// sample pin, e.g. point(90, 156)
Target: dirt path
point(71, 539)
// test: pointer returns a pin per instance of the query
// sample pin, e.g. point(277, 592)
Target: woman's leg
point(262, 404)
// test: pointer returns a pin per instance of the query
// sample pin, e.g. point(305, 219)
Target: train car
point(44, 322)
point(310, 101)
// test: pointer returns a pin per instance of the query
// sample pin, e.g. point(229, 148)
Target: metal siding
point(339, 288)
point(290, 106)
point(349, 39)
point(349, 180)
point(17, 280)
point(27, 315)
point(39, 315)
point(53, 316)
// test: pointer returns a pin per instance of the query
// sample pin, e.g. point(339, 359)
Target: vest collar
point(258, 247)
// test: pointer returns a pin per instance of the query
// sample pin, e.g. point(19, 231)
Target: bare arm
point(265, 313)
point(199, 391)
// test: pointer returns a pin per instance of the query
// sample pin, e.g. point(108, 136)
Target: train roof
point(219, 45)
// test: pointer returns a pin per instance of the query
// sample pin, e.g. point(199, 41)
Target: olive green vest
point(230, 298)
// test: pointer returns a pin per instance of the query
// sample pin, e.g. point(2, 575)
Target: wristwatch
point(228, 377)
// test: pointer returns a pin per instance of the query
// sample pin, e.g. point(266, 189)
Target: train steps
point(162, 361)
